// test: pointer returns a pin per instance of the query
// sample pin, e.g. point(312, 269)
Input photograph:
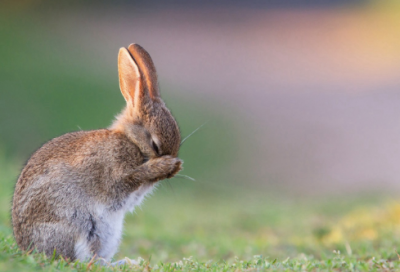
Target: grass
point(209, 229)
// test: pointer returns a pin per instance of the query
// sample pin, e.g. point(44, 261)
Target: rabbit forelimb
point(155, 170)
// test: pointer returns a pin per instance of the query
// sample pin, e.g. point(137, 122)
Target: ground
point(184, 227)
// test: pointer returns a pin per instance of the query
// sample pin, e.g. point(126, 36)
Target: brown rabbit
point(73, 193)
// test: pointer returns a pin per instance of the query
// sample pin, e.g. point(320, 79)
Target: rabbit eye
point(155, 147)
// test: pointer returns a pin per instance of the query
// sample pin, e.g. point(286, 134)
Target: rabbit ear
point(147, 71)
point(129, 76)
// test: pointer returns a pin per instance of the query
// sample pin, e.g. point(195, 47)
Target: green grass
point(189, 228)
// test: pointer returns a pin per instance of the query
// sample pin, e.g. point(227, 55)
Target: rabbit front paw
point(165, 166)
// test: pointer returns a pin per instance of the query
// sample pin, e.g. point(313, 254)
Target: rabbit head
point(146, 120)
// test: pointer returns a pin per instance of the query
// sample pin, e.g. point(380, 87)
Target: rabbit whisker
point(192, 133)
point(170, 186)
point(185, 177)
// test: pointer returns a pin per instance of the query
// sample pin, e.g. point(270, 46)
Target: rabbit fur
point(73, 193)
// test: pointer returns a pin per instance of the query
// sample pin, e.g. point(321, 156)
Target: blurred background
point(301, 99)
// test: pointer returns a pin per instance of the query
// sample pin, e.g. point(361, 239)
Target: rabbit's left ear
point(129, 77)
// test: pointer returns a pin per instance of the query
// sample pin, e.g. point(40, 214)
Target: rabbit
point(72, 195)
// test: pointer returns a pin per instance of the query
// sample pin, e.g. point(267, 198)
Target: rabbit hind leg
point(53, 238)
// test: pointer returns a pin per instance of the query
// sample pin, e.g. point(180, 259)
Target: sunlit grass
point(193, 228)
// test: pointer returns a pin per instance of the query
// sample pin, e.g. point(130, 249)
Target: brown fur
point(66, 178)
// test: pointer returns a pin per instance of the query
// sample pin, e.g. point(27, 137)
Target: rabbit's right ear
point(129, 76)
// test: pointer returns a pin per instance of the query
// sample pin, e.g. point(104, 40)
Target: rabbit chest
point(107, 225)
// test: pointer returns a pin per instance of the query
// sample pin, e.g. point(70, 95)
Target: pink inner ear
point(129, 77)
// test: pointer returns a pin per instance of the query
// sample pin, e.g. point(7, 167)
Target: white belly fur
point(110, 226)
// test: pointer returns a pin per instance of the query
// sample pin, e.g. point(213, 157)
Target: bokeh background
point(301, 101)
